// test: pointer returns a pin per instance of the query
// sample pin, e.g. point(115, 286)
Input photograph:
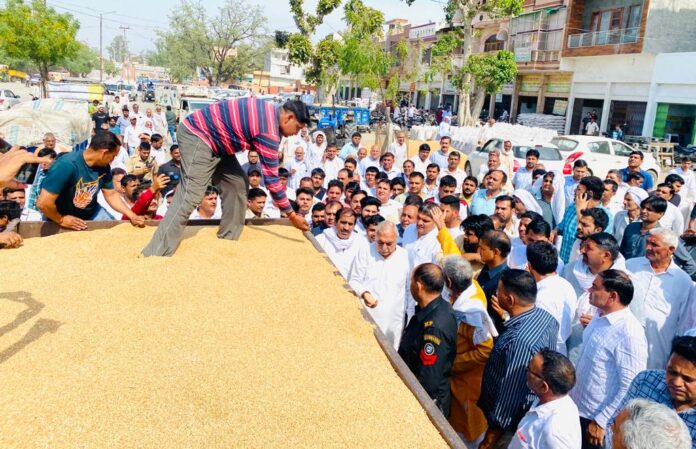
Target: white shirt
point(420, 166)
point(391, 211)
point(399, 151)
point(659, 303)
point(592, 128)
point(391, 174)
point(455, 231)
point(457, 174)
point(159, 155)
point(673, 219)
point(102, 202)
point(518, 256)
point(689, 182)
point(522, 179)
point(557, 296)
point(32, 215)
point(554, 425)
point(302, 170)
point(343, 259)
point(614, 350)
point(195, 215)
point(131, 136)
point(367, 162)
point(420, 250)
point(387, 280)
point(331, 169)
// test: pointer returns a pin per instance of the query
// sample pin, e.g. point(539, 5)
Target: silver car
point(8, 99)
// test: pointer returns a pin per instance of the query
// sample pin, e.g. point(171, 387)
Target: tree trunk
point(43, 70)
point(479, 99)
point(464, 115)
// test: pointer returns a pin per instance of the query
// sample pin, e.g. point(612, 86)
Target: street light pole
point(101, 47)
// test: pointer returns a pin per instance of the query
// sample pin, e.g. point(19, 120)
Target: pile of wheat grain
point(249, 344)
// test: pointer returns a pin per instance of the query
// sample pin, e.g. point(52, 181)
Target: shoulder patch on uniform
point(427, 355)
point(434, 339)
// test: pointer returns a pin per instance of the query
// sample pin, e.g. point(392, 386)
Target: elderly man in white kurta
point(340, 242)
point(661, 293)
point(380, 277)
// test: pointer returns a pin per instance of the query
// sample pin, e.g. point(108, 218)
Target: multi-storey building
point(634, 63)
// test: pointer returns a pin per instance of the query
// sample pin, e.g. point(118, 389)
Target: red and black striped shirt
point(238, 125)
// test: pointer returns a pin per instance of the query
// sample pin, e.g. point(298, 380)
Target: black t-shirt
point(100, 119)
point(76, 185)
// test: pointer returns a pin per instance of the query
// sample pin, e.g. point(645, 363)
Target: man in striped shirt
point(208, 141)
point(505, 395)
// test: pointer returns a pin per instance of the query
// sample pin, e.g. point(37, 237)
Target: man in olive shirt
point(429, 343)
point(171, 123)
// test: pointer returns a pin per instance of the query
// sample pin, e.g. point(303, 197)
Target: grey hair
point(667, 235)
point(47, 135)
point(386, 226)
point(458, 271)
point(496, 152)
point(650, 425)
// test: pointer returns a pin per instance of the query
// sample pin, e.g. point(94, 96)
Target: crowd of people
point(537, 310)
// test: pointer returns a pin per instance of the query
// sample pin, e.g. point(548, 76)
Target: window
point(492, 145)
point(564, 144)
point(621, 149)
point(9, 94)
point(599, 147)
point(545, 153)
point(426, 56)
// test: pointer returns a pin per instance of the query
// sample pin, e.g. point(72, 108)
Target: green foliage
point(281, 38)
point(36, 33)
point(307, 23)
point(492, 71)
point(222, 46)
point(118, 49)
point(441, 51)
point(84, 61)
point(299, 48)
point(110, 68)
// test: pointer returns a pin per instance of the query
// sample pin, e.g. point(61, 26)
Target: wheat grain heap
point(227, 344)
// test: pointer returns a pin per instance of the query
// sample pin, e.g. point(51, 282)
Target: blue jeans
point(172, 133)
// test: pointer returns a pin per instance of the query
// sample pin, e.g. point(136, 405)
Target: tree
point(460, 15)
point(323, 57)
point(490, 73)
point(221, 47)
point(118, 49)
point(84, 61)
point(39, 34)
point(110, 68)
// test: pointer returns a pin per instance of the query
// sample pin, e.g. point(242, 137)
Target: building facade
point(633, 64)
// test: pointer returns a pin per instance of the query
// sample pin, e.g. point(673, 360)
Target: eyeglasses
point(540, 377)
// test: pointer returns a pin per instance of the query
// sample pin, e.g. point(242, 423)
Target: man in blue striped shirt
point(674, 387)
point(505, 396)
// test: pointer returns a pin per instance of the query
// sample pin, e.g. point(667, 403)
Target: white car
point(8, 99)
point(549, 156)
point(601, 154)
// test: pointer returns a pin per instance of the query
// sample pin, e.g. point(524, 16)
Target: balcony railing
point(609, 37)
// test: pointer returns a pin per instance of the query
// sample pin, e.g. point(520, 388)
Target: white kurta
point(387, 280)
point(557, 296)
point(424, 249)
point(391, 211)
point(399, 151)
point(673, 219)
point(420, 166)
point(342, 258)
point(457, 174)
point(365, 163)
point(331, 169)
point(660, 303)
point(301, 169)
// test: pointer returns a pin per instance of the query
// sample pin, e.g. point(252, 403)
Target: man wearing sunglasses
point(208, 140)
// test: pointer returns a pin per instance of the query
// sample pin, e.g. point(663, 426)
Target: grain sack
point(248, 344)
point(27, 122)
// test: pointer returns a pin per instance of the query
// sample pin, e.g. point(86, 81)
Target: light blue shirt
point(348, 150)
point(440, 159)
point(523, 179)
point(482, 205)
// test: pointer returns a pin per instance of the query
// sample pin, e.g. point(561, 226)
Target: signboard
point(530, 83)
point(560, 107)
point(523, 54)
point(558, 84)
point(499, 98)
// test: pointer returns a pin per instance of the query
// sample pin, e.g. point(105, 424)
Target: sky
point(145, 17)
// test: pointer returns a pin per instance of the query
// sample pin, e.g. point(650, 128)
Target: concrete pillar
point(491, 106)
point(541, 95)
point(428, 100)
point(606, 109)
point(650, 110)
point(515, 101)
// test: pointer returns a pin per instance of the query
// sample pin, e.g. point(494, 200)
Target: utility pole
point(101, 51)
point(125, 56)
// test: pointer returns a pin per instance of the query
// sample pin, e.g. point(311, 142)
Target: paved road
point(19, 89)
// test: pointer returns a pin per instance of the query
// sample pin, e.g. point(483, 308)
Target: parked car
point(601, 154)
point(549, 155)
point(8, 99)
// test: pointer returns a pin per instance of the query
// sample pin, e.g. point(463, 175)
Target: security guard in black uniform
point(429, 343)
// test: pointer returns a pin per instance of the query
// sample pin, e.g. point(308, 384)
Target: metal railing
point(609, 37)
